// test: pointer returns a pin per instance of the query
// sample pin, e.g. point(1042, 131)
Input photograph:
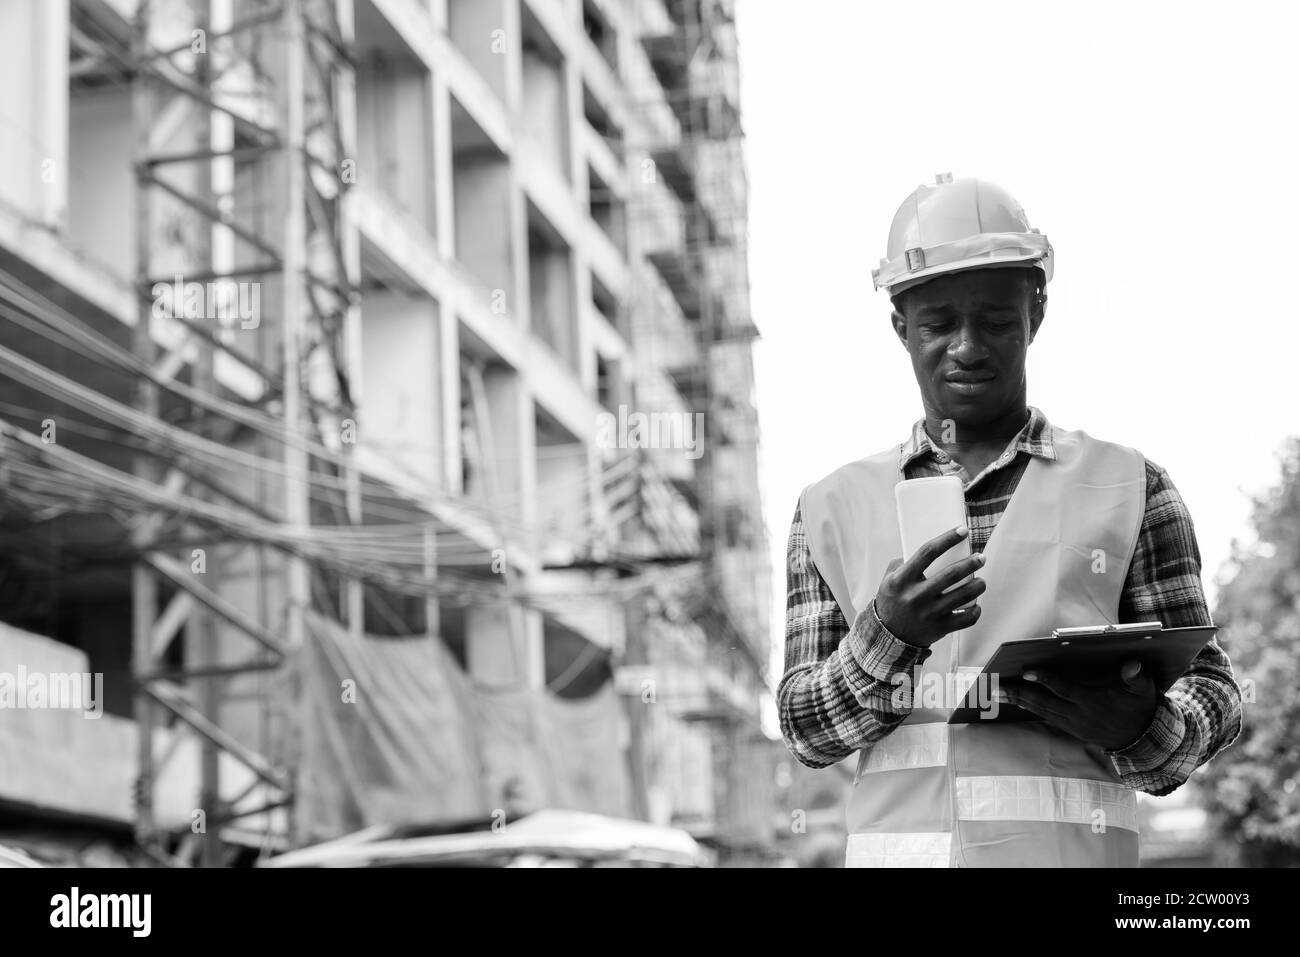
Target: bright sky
point(1155, 144)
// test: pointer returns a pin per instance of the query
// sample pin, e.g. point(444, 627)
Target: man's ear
point(900, 326)
point(1037, 312)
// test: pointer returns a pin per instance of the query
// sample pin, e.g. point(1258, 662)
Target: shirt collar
point(1034, 438)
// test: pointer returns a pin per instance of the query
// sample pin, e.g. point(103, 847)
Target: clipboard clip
point(1097, 631)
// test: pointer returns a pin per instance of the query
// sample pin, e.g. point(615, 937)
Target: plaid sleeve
point(839, 692)
point(1201, 714)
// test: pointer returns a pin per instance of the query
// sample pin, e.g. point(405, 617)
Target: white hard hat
point(954, 225)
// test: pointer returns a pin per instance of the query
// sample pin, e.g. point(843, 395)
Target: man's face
point(967, 333)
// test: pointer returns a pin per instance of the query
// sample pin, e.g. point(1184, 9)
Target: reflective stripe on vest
point(909, 746)
point(917, 849)
point(1041, 798)
point(1058, 557)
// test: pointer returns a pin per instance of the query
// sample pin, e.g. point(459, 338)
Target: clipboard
point(1087, 653)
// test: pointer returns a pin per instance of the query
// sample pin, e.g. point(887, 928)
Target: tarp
point(61, 760)
point(567, 835)
point(393, 731)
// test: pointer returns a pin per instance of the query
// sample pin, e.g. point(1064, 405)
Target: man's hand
point(1111, 714)
point(915, 608)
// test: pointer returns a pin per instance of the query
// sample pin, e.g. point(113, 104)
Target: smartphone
point(928, 507)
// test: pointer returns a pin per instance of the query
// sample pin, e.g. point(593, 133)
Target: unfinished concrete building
point(376, 417)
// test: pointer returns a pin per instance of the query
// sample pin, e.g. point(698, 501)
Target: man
point(1065, 530)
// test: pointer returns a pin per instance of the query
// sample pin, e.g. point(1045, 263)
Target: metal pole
point(203, 636)
point(344, 106)
point(432, 608)
point(634, 656)
point(293, 315)
point(144, 587)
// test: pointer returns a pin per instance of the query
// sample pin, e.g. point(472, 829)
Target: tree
point(1253, 788)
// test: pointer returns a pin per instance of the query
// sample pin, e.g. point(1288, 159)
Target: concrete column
point(580, 281)
point(34, 112)
point(512, 24)
point(443, 171)
point(519, 248)
point(449, 399)
point(438, 13)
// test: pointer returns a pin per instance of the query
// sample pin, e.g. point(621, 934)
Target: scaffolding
point(216, 459)
point(254, 106)
point(689, 218)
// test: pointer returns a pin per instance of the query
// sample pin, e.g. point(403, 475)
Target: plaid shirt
point(836, 695)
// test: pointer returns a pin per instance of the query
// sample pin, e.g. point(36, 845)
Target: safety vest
point(988, 794)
